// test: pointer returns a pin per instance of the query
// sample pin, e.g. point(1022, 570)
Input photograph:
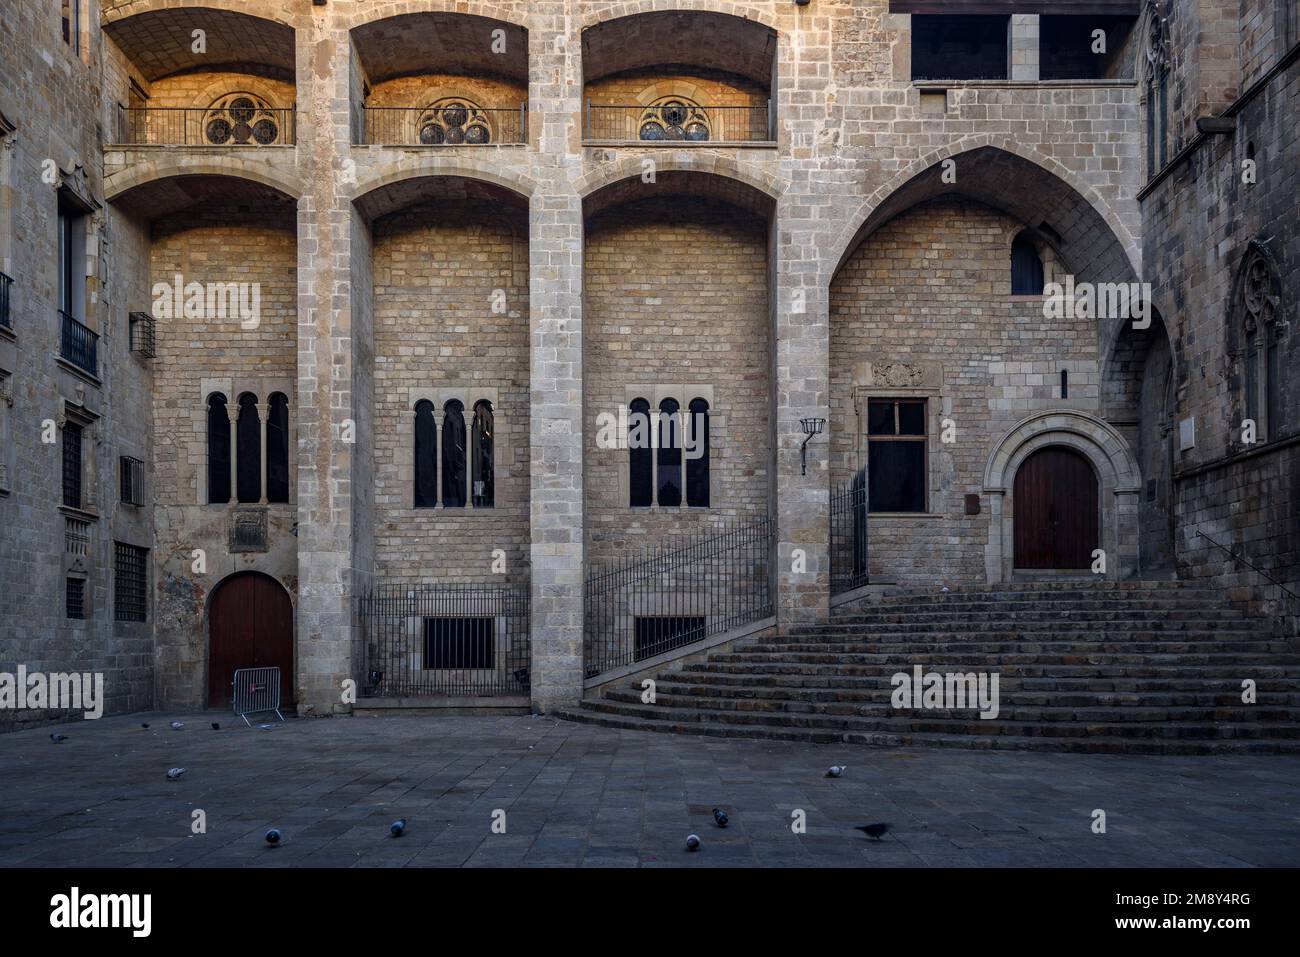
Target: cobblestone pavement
point(583, 795)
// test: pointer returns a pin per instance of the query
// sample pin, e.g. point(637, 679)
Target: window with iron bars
point(132, 474)
point(130, 582)
point(76, 599)
point(72, 465)
point(76, 536)
point(143, 341)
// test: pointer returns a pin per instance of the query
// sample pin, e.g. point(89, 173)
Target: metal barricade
point(256, 690)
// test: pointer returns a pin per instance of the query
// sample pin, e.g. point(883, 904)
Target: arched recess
point(1140, 389)
point(628, 169)
point(154, 187)
point(1035, 189)
point(249, 625)
point(1118, 478)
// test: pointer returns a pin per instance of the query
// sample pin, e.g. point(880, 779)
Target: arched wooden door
point(1056, 509)
point(250, 625)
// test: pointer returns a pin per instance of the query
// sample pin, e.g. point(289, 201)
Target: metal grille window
point(132, 480)
point(76, 598)
point(72, 434)
point(459, 642)
point(142, 335)
point(130, 582)
point(896, 455)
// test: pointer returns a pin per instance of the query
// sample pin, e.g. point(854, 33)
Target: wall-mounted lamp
point(810, 428)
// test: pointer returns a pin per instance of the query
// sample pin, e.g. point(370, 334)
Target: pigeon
point(872, 830)
point(145, 725)
point(398, 827)
point(692, 842)
point(57, 738)
point(175, 774)
point(720, 817)
point(177, 725)
point(835, 771)
point(266, 727)
point(945, 589)
point(215, 726)
point(273, 836)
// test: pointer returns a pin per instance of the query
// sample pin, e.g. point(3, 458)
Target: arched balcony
point(201, 77)
point(440, 79)
point(678, 78)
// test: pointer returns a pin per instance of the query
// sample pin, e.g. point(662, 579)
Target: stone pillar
point(555, 355)
point(1022, 47)
point(262, 412)
point(327, 418)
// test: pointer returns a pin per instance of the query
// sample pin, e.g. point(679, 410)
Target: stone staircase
point(1130, 667)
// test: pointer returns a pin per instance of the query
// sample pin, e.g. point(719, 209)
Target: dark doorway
point(250, 625)
point(1056, 524)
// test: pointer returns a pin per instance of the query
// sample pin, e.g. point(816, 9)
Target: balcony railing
point(5, 283)
point(78, 344)
point(676, 123)
point(444, 125)
point(181, 126)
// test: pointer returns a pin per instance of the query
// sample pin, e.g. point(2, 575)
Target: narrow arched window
point(1026, 267)
point(277, 448)
point(697, 454)
point(218, 450)
point(669, 471)
point(426, 455)
point(484, 473)
point(453, 454)
point(640, 464)
point(1259, 310)
point(248, 451)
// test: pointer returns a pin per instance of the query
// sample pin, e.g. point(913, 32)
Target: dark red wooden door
point(1055, 510)
point(250, 625)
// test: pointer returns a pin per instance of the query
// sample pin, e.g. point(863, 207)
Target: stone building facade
point(364, 280)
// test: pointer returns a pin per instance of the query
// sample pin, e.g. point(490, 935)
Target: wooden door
point(250, 625)
point(1056, 503)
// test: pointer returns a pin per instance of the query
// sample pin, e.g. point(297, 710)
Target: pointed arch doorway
point(250, 625)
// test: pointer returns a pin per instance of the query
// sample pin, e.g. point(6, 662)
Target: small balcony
point(5, 283)
point(454, 121)
point(677, 121)
point(237, 121)
point(78, 344)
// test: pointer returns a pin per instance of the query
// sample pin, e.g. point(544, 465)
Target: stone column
point(555, 336)
point(1022, 47)
point(329, 420)
point(262, 412)
point(232, 414)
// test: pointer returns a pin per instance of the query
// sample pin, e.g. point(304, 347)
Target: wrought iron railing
point(78, 344)
point(454, 125)
point(5, 283)
point(458, 640)
point(1256, 569)
point(677, 595)
point(182, 126)
point(678, 123)
point(848, 531)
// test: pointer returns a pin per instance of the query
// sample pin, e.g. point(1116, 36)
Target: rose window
point(674, 118)
point(453, 121)
point(240, 118)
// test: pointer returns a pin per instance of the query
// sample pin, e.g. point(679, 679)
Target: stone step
point(1258, 672)
point(1097, 744)
point(1106, 723)
point(919, 654)
point(1037, 685)
point(1064, 622)
point(937, 649)
point(1226, 695)
point(881, 708)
